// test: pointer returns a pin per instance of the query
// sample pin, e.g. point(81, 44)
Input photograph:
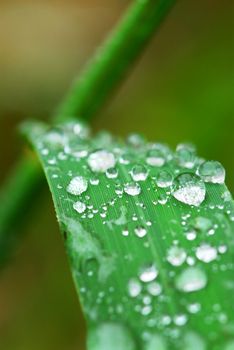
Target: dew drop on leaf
point(148, 273)
point(112, 173)
point(155, 157)
point(80, 207)
point(134, 287)
point(206, 253)
point(111, 336)
point(212, 171)
point(132, 189)
point(100, 161)
point(191, 279)
point(176, 256)
point(193, 341)
point(164, 179)
point(180, 320)
point(77, 185)
point(139, 173)
point(154, 288)
point(189, 189)
point(186, 155)
point(140, 231)
point(156, 342)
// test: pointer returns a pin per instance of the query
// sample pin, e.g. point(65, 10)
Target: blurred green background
point(180, 90)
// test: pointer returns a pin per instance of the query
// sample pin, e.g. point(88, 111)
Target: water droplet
point(139, 173)
point(194, 308)
point(186, 155)
point(134, 287)
point(189, 189)
point(77, 185)
point(80, 207)
point(132, 188)
point(110, 336)
point(206, 253)
point(140, 231)
point(146, 310)
point(180, 320)
point(191, 235)
point(112, 173)
point(193, 341)
point(176, 256)
point(135, 140)
point(212, 171)
point(148, 273)
point(125, 232)
point(155, 157)
point(94, 181)
point(154, 288)
point(156, 342)
point(191, 280)
point(100, 161)
point(55, 138)
point(201, 223)
point(164, 179)
point(81, 130)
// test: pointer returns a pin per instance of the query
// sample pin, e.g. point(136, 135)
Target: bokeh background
point(180, 90)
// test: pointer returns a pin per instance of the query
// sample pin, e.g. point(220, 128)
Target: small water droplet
point(186, 155)
point(132, 189)
point(156, 342)
point(180, 320)
point(80, 207)
point(100, 161)
point(206, 253)
point(212, 171)
point(193, 341)
point(164, 179)
point(189, 189)
point(155, 157)
point(191, 279)
point(140, 231)
point(135, 140)
point(139, 173)
point(111, 336)
point(176, 256)
point(77, 185)
point(134, 287)
point(112, 173)
point(194, 308)
point(148, 273)
point(191, 235)
point(154, 288)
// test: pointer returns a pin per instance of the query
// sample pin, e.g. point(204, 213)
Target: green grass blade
point(151, 271)
point(98, 80)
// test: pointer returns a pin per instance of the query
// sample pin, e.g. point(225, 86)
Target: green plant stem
point(21, 189)
point(98, 80)
point(114, 59)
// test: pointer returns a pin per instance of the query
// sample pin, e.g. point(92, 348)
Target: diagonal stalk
point(99, 79)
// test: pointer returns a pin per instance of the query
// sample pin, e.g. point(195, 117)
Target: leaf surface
point(151, 256)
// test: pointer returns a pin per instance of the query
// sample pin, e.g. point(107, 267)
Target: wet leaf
point(149, 234)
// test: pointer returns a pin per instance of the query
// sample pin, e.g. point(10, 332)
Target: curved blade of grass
point(99, 79)
point(151, 271)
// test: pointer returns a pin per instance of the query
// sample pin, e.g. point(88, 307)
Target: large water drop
point(100, 161)
point(191, 279)
point(77, 185)
point(189, 189)
point(212, 171)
